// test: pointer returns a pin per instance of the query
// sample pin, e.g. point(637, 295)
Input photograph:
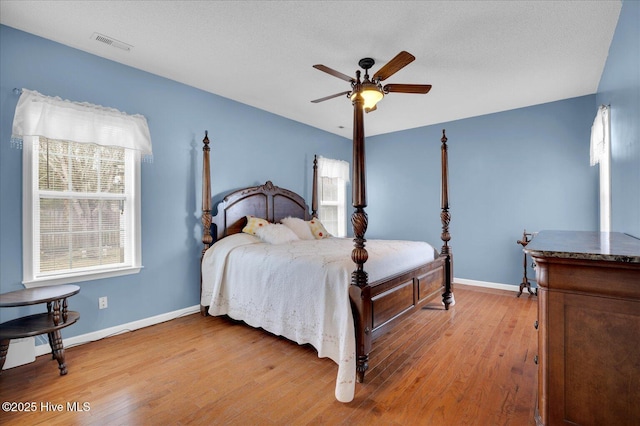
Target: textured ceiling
point(480, 56)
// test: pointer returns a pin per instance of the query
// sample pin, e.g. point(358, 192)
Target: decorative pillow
point(275, 233)
point(317, 229)
point(299, 226)
point(253, 223)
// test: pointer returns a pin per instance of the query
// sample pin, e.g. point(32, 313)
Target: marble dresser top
point(585, 245)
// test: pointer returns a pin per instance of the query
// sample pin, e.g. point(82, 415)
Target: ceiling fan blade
point(407, 88)
point(400, 61)
point(334, 73)
point(330, 97)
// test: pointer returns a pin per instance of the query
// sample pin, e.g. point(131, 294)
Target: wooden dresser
point(589, 328)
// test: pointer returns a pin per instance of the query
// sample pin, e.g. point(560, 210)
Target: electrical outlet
point(102, 302)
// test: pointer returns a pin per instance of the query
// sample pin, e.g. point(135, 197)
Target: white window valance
point(330, 168)
point(55, 118)
point(599, 131)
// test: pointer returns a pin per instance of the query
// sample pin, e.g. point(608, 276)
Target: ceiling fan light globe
point(371, 98)
point(371, 95)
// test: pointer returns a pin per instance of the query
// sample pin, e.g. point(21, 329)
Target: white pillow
point(299, 226)
point(275, 233)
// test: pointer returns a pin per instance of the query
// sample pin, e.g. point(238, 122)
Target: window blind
point(79, 205)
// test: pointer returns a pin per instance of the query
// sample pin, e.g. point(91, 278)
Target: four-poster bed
point(376, 297)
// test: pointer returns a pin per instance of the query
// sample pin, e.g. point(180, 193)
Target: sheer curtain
point(599, 135)
point(82, 122)
point(334, 175)
point(330, 168)
point(600, 153)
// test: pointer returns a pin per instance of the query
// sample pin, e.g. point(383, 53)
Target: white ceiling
point(480, 56)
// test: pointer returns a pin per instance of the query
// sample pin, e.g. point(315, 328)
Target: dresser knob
point(535, 359)
point(535, 325)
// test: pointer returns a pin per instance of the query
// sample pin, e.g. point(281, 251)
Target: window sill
point(85, 276)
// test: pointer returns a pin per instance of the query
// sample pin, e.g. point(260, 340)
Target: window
point(332, 183)
point(81, 206)
point(81, 201)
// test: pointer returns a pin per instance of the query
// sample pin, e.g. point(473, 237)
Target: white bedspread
point(300, 290)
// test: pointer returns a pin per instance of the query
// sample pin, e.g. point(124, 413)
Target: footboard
point(403, 294)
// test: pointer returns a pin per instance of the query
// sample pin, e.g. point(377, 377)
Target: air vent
point(111, 41)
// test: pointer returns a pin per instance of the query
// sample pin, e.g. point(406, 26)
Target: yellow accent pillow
point(253, 223)
point(317, 229)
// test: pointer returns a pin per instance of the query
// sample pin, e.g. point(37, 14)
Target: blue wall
point(249, 146)
point(620, 88)
point(525, 168)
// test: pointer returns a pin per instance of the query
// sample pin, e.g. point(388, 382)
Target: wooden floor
point(471, 365)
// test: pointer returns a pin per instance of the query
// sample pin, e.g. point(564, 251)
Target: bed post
point(207, 238)
point(359, 290)
point(314, 195)
point(445, 217)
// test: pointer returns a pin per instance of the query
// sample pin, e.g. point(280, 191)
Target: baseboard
point(119, 329)
point(487, 284)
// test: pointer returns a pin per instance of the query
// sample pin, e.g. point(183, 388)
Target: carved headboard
point(266, 201)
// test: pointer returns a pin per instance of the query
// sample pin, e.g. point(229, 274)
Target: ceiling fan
point(364, 96)
point(370, 89)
